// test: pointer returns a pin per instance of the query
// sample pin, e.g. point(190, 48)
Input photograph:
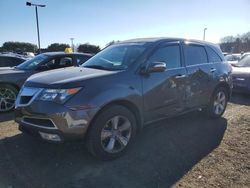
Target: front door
point(164, 92)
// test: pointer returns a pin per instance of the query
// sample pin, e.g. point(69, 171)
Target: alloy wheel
point(7, 99)
point(116, 134)
point(219, 103)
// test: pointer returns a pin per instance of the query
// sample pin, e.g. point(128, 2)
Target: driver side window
point(59, 62)
point(169, 55)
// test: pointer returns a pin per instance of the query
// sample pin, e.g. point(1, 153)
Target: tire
point(218, 103)
point(8, 95)
point(111, 133)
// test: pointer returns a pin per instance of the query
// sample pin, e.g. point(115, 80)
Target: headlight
point(58, 95)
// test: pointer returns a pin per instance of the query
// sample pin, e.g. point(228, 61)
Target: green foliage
point(88, 48)
point(56, 47)
point(19, 47)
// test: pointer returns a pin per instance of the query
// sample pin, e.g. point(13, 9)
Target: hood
point(66, 77)
point(10, 70)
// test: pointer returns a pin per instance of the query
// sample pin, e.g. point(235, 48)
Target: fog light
point(51, 137)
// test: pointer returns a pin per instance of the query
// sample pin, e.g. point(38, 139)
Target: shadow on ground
point(241, 99)
point(162, 153)
point(6, 116)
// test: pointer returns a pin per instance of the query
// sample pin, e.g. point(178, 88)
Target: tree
point(246, 36)
point(56, 47)
point(228, 39)
point(19, 47)
point(236, 44)
point(88, 48)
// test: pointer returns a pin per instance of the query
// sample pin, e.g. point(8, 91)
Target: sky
point(100, 21)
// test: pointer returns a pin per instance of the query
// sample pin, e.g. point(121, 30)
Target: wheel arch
point(127, 104)
point(223, 85)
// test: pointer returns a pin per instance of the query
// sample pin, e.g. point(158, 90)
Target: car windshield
point(116, 57)
point(32, 63)
point(245, 62)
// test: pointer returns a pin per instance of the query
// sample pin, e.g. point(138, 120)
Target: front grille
point(39, 122)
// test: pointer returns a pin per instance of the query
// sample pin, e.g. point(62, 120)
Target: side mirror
point(157, 67)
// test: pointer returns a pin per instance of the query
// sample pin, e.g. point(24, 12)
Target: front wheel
point(8, 95)
point(218, 103)
point(111, 133)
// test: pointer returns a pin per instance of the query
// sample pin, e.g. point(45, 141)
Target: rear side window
point(212, 55)
point(168, 54)
point(15, 61)
point(195, 54)
point(9, 61)
point(2, 62)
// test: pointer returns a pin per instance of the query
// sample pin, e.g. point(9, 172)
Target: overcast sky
point(101, 21)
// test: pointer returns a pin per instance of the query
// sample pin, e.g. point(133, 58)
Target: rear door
point(215, 62)
point(200, 74)
point(164, 92)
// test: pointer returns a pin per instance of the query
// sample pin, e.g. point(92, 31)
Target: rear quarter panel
point(223, 75)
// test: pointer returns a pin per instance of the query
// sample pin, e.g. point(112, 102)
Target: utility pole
point(72, 44)
point(204, 33)
point(37, 22)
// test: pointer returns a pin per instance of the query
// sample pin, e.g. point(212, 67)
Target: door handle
point(180, 76)
point(212, 70)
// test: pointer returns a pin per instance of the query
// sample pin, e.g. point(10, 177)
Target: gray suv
point(126, 86)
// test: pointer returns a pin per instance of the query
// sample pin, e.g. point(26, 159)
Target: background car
point(245, 54)
point(12, 78)
point(233, 58)
point(241, 75)
point(11, 60)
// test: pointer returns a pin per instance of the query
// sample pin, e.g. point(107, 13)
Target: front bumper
point(54, 120)
point(241, 85)
point(38, 132)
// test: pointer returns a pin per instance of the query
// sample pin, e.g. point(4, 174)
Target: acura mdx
point(126, 86)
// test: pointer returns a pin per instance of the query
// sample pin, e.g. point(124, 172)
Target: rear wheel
point(8, 95)
point(111, 133)
point(218, 103)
